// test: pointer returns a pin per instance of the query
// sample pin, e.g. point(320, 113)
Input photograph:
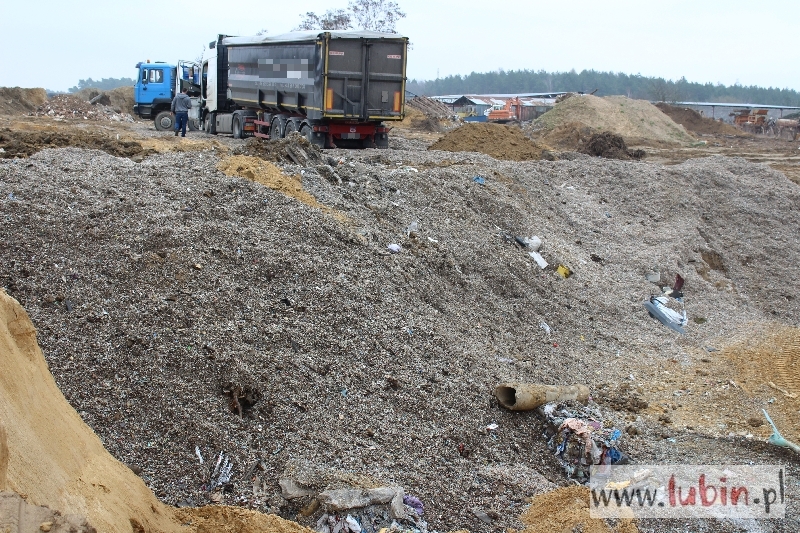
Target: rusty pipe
point(527, 396)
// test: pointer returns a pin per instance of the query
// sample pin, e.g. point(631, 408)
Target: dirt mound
point(14, 100)
point(638, 121)
point(15, 143)
point(610, 146)
point(567, 509)
point(697, 123)
point(120, 99)
point(496, 140)
point(293, 149)
point(568, 136)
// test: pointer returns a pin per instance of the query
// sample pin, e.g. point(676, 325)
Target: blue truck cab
point(158, 83)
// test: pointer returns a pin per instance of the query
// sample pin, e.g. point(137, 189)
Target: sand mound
point(226, 519)
point(567, 509)
point(14, 100)
point(697, 123)
point(52, 458)
point(15, 143)
point(266, 173)
point(637, 121)
point(610, 146)
point(496, 140)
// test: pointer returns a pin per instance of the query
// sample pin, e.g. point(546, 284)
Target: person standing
point(181, 105)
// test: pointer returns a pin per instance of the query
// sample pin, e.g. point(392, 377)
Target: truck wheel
point(194, 124)
point(237, 127)
point(275, 131)
point(211, 126)
point(306, 132)
point(290, 127)
point(165, 121)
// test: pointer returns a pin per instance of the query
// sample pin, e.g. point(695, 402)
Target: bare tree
point(376, 15)
point(333, 19)
point(662, 90)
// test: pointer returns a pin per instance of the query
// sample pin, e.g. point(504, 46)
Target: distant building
point(478, 105)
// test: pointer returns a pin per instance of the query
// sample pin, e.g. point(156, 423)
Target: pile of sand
point(265, 173)
point(14, 100)
point(697, 123)
point(637, 121)
point(52, 458)
point(496, 140)
point(567, 509)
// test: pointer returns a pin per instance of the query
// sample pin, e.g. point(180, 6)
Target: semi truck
point(158, 83)
point(336, 88)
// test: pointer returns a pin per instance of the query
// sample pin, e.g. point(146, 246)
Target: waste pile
point(173, 289)
point(579, 439)
point(293, 149)
point(63, 106)
point(120, 100)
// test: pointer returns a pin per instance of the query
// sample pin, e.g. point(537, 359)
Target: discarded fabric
point(479, 180)
point(394, 248)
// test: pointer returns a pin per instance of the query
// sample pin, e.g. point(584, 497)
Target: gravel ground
point(155, 286)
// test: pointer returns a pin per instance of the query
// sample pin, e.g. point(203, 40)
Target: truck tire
point(306, 132)
point(194, 124)
point(211, 126)
point(275, 131)
point(165, 121)
point(290, 127)
point(236, 127)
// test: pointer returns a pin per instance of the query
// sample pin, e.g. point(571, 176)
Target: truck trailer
point(158, 83)
point(336, 88)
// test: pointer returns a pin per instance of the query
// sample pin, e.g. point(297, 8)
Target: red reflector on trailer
point(397, 101)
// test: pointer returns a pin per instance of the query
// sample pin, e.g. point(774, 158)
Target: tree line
point(104, 84)
point(605, 83)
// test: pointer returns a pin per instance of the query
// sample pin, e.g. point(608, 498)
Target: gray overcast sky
point(54, 43)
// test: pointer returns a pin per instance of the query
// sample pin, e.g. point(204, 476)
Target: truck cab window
point(156, 75)
point(144, 75)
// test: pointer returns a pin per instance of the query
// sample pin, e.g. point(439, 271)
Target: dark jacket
point(181, 103)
